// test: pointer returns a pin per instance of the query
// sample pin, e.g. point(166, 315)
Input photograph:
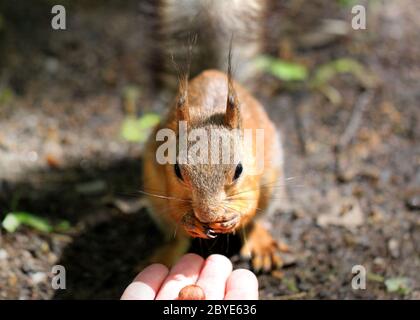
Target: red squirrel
point(189, 199)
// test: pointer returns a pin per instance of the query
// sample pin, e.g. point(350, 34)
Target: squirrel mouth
point(198, 229)
point(225, 225)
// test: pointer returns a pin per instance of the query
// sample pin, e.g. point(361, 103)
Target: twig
point(355, 119)
point(294, 296)
point(351, 130)
point(300, 130)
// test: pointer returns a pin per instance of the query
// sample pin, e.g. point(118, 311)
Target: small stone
point(288, 259)
point(45, 247)
point(32, 156)
point(3, 254)
point(379, 265)
point(277, 274)
point(413, 203)
point(377, 214)
point(12, 280)
point(394, 248)
point(38, 277)
point(346, 213)
point(52, 258)
point(379, 261)
point(52, 160)
point(51, 65)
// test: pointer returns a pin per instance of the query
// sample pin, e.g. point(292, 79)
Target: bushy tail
point(214, 23)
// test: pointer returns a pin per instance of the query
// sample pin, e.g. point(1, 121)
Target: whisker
point(258, 187)
point(262, 187)
point(176, 229)
point(238, 211)
point(163, 196)
point(233, 209)
point(253, 199)
point(242, 207)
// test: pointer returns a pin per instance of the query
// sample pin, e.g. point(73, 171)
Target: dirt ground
point(352, 166)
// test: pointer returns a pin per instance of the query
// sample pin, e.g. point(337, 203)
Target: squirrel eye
point(178, 171)
point(238, 171)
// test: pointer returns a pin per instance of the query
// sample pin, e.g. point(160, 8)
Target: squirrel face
point(221, 195)
point(214, 182)
point(213, 178)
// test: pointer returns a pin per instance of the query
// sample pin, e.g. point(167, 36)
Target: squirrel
point(202, 200)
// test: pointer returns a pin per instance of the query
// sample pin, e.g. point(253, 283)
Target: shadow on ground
point(104, 247)
point(103, 260)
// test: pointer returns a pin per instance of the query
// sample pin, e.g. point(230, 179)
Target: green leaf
point(328, 71)
point(347, 3)
point(63, 226)
point(290, 283)
point(148, 121)
point(129, 130)
point(6, 95)
point(137, 129)
point(131, 92)
point(14, 219)
point(399, 285)
point(375, 277)
point(91, 187)
point(284, 70)
point(11, 223)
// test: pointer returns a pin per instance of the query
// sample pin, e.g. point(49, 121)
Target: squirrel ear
point(182, 109)
point(232, 117)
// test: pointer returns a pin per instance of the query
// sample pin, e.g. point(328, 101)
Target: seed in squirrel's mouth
point(211, 234)
point(191, 292)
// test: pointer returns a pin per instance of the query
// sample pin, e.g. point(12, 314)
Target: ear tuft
point(232, 116)
point(182, 109)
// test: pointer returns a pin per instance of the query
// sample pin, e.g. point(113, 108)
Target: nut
point(191, 292)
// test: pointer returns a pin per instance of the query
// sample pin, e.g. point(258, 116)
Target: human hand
point(214, 275)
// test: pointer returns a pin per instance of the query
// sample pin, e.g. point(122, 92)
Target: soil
point(352, 167)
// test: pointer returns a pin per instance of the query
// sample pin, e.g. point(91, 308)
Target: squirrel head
point(214, 174)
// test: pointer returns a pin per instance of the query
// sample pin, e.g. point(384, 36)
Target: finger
point(184, 273)
point(242, 285)
point(213, 276)
point(146, 284)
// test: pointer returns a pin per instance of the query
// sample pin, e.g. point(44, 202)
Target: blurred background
point(76, 106)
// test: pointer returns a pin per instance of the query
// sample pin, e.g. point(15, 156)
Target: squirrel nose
point(209, 214)
point(208, 209)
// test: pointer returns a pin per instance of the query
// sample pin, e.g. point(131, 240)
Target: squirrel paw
point(262, 250)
